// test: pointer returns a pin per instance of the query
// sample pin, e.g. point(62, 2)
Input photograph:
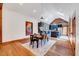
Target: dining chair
point(32, 40)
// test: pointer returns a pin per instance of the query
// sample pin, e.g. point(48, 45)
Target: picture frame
point(29, 28)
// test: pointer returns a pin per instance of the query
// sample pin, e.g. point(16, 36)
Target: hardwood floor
point(13, 49)
point(61, 48)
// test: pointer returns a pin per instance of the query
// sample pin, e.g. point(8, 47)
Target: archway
point(63, 25)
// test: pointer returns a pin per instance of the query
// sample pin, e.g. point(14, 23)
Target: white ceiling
point(48, 10)
point(25, 9)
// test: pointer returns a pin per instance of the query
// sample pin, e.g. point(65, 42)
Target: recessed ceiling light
point(41, 18)
point(34, 11)
point(20, 4)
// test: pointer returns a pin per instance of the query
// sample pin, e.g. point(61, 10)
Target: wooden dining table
point(38, 36)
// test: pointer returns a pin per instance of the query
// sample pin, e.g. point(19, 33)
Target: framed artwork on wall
point(29, 28)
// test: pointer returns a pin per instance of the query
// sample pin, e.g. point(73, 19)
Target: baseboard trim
point(17, 40)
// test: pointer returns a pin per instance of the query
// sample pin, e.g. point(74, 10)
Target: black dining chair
point(32, 40)
point(41, 39)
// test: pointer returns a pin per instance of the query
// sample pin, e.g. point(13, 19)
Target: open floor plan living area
point(39, 29)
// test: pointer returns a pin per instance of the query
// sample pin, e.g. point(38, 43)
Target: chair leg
point(44, 41)
point(47, 39)
point(41, 42)
point(33, 44)
point(37, 44)
point(30, 42)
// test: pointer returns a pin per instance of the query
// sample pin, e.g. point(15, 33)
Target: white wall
point(77, 30)
point(13, 25)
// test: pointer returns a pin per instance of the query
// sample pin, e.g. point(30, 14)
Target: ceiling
point(49, 11)
point(26, 9)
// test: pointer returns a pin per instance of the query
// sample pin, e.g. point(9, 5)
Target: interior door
point(0, 22)
point(73, 32)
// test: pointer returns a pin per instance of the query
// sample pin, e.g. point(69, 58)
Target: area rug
point(63, 38)
point(41, 50)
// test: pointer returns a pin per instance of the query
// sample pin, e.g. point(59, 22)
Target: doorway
point(0, 22)
point(72, 32)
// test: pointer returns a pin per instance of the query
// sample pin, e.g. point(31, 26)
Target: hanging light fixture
point(41, 18)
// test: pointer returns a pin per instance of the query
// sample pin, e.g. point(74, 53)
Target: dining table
point(39, 37)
